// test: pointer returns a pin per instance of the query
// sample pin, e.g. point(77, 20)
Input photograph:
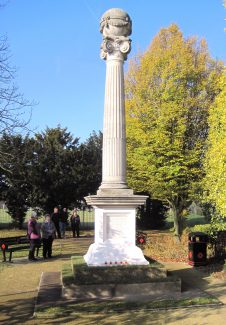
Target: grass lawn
point(191, 220)
point(18, 290)
point(119, 307)
point(19, 280)
point(87, 218)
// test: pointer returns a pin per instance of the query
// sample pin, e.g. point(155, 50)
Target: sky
point(55, 46)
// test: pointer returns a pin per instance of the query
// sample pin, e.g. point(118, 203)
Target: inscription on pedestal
point(116, 226)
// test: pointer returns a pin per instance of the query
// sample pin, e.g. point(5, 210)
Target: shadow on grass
point(17, 308)
point(20, 311)
point(106, 319)
point(112, 312)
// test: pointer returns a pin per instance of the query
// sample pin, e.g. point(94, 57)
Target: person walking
point(33, 232)
point(56, 220)
point(48, 231)
point(63, 222)
point(75, 223)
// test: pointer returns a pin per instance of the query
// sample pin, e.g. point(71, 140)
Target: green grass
point(60, 247)
point(87, 218)
point(121, 306)
point(195, 219)
point(79, 273)
point(190, 220)
point(67, 274)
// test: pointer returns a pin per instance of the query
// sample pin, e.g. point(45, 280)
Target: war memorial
point(114, 267)
point(176, 274)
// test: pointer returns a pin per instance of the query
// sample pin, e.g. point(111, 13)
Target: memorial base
point(114, 253)
point(124, 282)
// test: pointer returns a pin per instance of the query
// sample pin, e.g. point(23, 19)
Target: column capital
point(117, 48)
point(116, 27)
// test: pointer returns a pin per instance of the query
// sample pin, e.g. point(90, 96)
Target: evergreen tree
point(91, 164)
point(55, 169)
point(15, 171)
point(51, 169)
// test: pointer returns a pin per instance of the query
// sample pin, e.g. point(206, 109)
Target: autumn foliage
point(169, 90)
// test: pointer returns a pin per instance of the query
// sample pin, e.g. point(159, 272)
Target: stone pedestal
point(115, 229)
point(115, 204)
point(115, 233)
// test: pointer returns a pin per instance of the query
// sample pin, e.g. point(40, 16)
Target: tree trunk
point(177, 222)
point(21, 224)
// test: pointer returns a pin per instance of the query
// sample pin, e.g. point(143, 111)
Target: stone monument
point(115, 204)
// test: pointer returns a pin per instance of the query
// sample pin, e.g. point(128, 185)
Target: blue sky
point(55, 47)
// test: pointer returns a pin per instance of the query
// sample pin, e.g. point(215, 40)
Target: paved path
point(50, 288)
point(191, 279)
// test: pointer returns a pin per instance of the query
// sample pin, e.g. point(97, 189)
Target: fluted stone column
point(115, 204)
point(114, 138)
point(116, 27)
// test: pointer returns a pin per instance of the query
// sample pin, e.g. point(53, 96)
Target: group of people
point(53, 226)
point(60, 221)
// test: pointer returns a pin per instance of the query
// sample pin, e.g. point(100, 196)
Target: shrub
point(209, 229)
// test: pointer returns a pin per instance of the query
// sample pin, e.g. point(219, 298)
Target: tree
point(15, 110)
point(55, 169)
point(13, 105)
point(152, 215)
point(50, 169)
point(91, 164)
point(215, 160)
point(64, 171)
point(169, 90)
point(15, 184)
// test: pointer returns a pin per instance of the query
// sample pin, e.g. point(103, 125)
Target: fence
point(86, 217)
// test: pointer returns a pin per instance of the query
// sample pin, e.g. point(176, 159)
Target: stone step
point(50, 288)
point(169, 287)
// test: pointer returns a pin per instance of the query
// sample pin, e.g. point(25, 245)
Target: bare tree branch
point(15, 110)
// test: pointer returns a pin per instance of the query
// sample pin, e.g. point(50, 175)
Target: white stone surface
point(116, 27)
point(114, 142)
point(113, 224)
point(108, 253)
point(115, 205)
point(115, 238)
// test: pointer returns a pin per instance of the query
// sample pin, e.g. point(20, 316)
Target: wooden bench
point(13, 244)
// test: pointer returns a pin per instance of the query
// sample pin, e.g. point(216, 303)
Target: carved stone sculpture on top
point(116, 26)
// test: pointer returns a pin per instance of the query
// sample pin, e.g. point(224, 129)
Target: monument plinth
point(115, 204)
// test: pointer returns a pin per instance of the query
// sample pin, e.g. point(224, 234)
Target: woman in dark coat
point(48, 234)
point(75, 223)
